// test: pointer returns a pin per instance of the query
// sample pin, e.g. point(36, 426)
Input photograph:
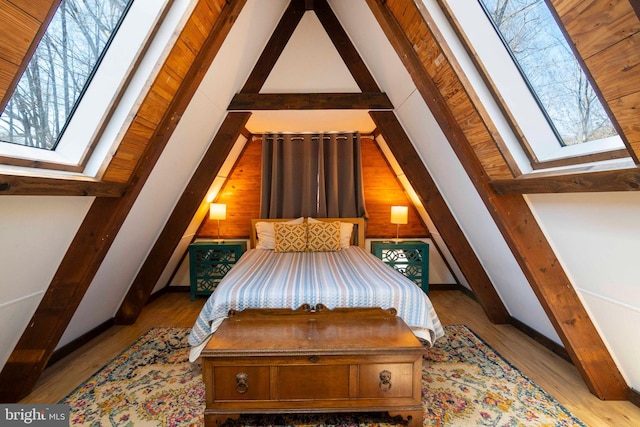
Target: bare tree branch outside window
point(548, 65)
point(59, 71)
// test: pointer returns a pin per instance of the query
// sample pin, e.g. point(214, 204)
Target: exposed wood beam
point(98, 231)
point(180, 218)
point(310, 101)
point(426, 189)
point(517, 224)
point(275, 46)
point(345, 48)
point(606, 180)
point(31, 186)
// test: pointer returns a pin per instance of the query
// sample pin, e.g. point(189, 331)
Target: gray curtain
point(316, 175)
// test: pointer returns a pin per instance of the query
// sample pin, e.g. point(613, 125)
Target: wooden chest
point(322, 361)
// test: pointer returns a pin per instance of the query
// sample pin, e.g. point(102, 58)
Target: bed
point(280, 272)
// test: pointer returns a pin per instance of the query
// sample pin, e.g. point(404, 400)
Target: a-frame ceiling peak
point(310, 63)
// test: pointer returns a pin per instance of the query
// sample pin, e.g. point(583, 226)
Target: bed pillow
point(346, 229)
point(290, 237)
point(323, 236)
point(266, 234)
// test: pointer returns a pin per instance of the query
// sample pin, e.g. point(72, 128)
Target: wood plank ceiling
point(604, 33)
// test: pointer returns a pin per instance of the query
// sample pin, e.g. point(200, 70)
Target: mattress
point(351, 277)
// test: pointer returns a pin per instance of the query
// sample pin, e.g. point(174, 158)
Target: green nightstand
point(409, 257)
point(209, 262)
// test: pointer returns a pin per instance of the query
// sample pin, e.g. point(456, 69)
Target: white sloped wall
point(35, 233)
point(596, 237)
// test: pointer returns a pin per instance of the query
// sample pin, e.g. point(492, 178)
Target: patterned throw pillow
point(323, 236)
point(266, 233)
point(346, 230)
point(290, 237)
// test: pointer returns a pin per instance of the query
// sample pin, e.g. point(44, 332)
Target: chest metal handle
point(385, 380)
point(242, 383)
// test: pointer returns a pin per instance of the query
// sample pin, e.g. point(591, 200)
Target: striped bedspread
point(351, 277)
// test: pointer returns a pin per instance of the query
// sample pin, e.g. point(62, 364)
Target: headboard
point(358, 228)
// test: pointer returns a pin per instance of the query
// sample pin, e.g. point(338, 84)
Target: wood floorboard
point(555, 375)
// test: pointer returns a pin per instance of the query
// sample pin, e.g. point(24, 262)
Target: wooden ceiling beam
point(310, 101)
point(604, 180)
point(427, 190)
point(276, 44)
point(13, 185)
point(345, 48)
point(511, 213)
point(104, 220)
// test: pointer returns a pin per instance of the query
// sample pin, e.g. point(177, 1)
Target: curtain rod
point(301, 136)
point(313, 135)
point(293, 138)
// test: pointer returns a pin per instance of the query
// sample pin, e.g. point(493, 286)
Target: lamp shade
point(399, 214)
point(217, 211)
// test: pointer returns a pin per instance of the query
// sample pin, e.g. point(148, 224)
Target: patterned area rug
point(465, 383)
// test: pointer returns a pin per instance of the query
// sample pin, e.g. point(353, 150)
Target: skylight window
point(131, 47)
point(550, 69)
point(62, 65)
point(533, 86)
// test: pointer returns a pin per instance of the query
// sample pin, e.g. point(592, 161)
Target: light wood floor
point(555, 375)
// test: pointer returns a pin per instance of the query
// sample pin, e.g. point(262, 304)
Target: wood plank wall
point(383, 190)
point(241, 194)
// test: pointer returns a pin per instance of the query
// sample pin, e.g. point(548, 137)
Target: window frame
point(556, 155)
point(88, 123)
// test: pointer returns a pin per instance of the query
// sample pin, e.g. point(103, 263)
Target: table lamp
point(218, 211)
point(399, 215)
